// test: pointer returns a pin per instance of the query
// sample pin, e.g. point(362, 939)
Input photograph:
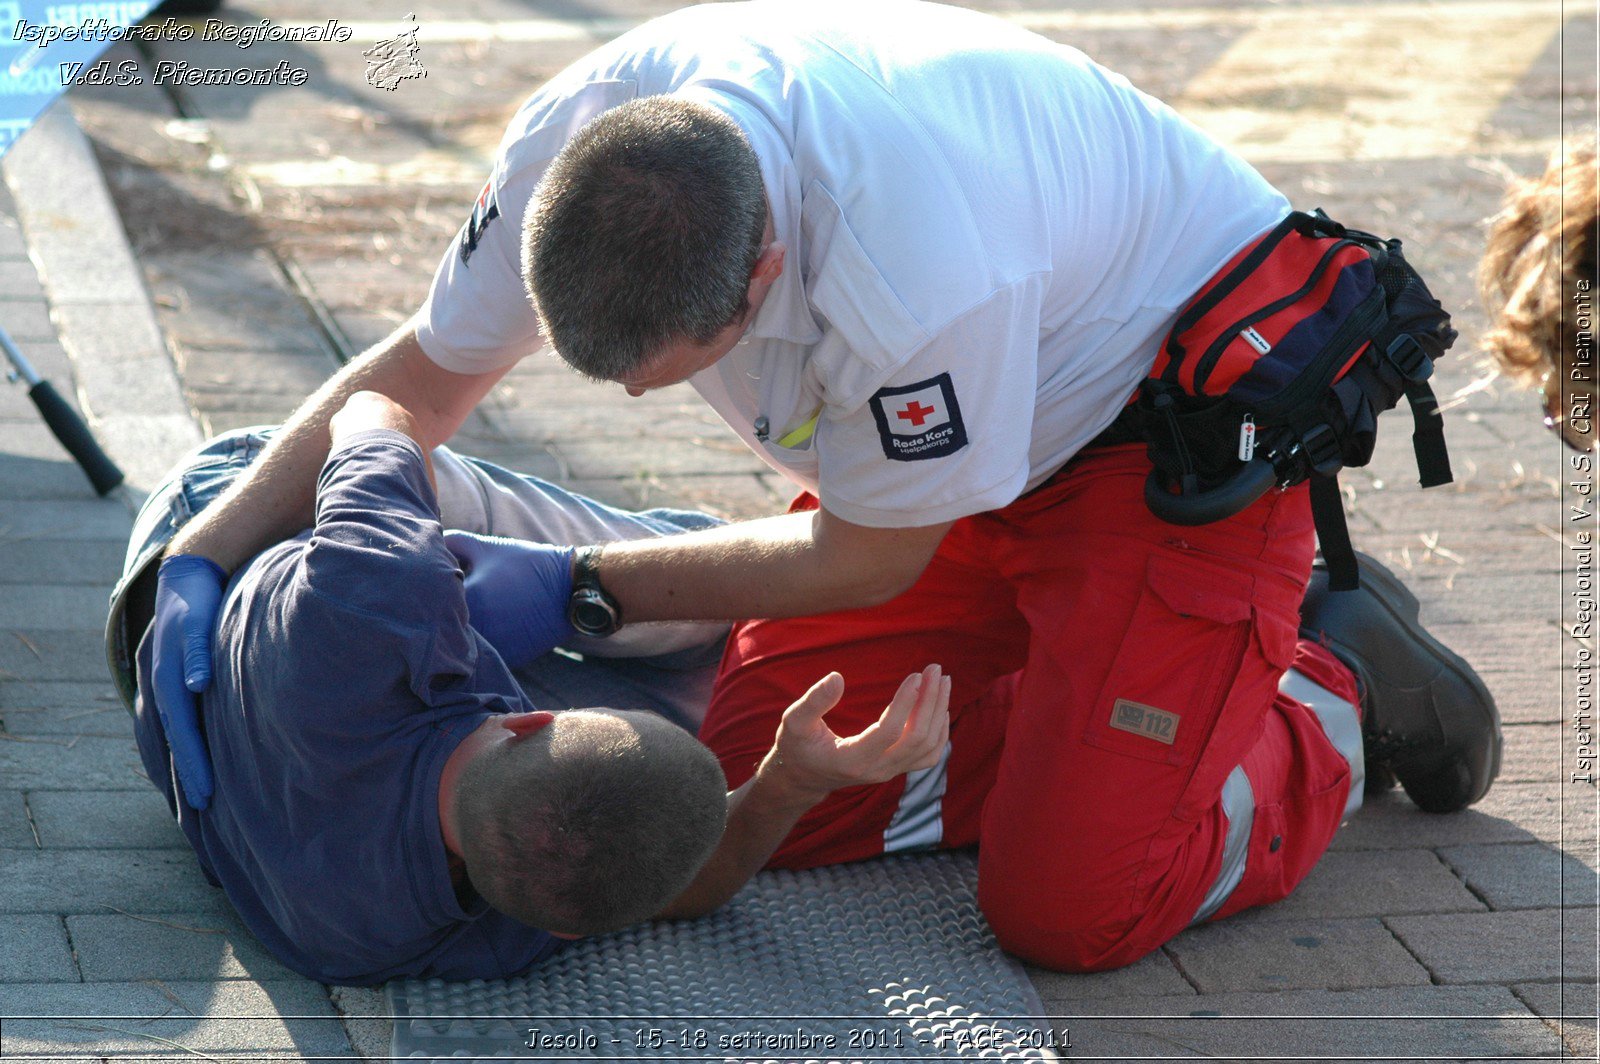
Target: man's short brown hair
point(593, 823)
point(644, 233)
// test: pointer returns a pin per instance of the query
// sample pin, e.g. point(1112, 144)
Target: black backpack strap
point(1333, 535)
point(1427, 435)
point(1415, 364)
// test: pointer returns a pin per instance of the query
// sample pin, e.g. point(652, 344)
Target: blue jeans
point(664, 667)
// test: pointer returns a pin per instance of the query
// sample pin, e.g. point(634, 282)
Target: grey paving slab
point(528, 458)
point(64, 723)
point(734, 497)
point(27, 319)
point(74, 233)
point(1526, 693)
point(15, 831)
point(54, 607)
point(35, 950)
point(31, 654)
point(1371, 883)
point(222, 419)
point(56, 695)
point(1420, 1023)
point(355, 284)
point(61, 711)
point(366, 1020)
point(100, 881)
point(242, 380)
point(105, 820)
point(1511, 812)
point(125, 381)
point(1502, 947)
point(1525, 875)
point(30, 438)
point(146, 445)
point(687, 420)
point(622, 457)
point(69, 763)
point(128, 948)
point(1462, 557)
point(1527, 643)
point(1151, 976)
point(50, 359)
point(174, 1018)
point(18, 280)
point(45, 561)
point(1534, 753)
point(226, 300)
point(1570, 1008)
point(12, 245)
point(1265, 955)
point(42, 478)
point(104, 519)
point(1547, 811)
point(364, 328)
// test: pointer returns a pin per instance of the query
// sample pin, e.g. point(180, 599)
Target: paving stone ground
point(1467, 936)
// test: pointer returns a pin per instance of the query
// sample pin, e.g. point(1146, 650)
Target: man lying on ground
point(390, 803)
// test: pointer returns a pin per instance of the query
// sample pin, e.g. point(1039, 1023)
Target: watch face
point(592, 616)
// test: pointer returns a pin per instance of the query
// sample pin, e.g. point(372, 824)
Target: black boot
point(1427, 719)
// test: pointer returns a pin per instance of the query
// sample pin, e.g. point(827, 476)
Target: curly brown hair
point(1540, 256)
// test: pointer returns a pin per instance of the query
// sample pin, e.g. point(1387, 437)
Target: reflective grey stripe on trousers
point(1342, 725)
point(918, 821)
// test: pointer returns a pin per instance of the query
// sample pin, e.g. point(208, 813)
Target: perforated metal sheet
point(889, 959)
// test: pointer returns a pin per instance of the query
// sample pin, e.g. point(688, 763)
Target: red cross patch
point(918, 421)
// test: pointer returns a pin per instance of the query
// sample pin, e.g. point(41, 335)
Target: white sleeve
point(947, 433)
point(477, 317)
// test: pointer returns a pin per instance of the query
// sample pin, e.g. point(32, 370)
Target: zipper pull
point(1247, 438)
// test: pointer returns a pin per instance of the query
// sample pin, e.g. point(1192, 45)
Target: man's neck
point(476, 742)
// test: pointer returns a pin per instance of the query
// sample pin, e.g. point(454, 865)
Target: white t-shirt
point(988, 235)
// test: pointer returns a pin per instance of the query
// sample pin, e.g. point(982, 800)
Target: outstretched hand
point(188, 598)
point(910, 734)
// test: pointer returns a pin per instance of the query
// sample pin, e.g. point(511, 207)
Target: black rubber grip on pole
point(75, 437)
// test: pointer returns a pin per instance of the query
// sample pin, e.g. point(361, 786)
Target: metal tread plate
point(887, 959)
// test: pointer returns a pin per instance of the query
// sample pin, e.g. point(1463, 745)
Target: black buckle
point(1321, 448)
point(1318, 224)
point(1409, 357)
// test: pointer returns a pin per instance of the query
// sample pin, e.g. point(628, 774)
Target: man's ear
point(769, 264)
point(523, 725)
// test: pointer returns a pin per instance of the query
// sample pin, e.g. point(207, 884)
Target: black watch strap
point(586, 568)
point(591, 609)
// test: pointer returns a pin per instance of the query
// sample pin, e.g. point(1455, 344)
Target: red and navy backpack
point(1276, 372)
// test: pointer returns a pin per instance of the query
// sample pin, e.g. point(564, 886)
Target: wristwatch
point(591, 610)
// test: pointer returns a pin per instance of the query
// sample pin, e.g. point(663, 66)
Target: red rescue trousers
point(1126, 744)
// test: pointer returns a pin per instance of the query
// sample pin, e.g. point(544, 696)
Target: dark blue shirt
point(345, 674)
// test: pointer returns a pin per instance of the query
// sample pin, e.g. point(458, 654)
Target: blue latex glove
point(517, 593)
point(188, 599)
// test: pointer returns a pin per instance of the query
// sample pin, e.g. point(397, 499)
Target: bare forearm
point(789, 566)
point(807, 762)
point(276, 497)
point(760, 814)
